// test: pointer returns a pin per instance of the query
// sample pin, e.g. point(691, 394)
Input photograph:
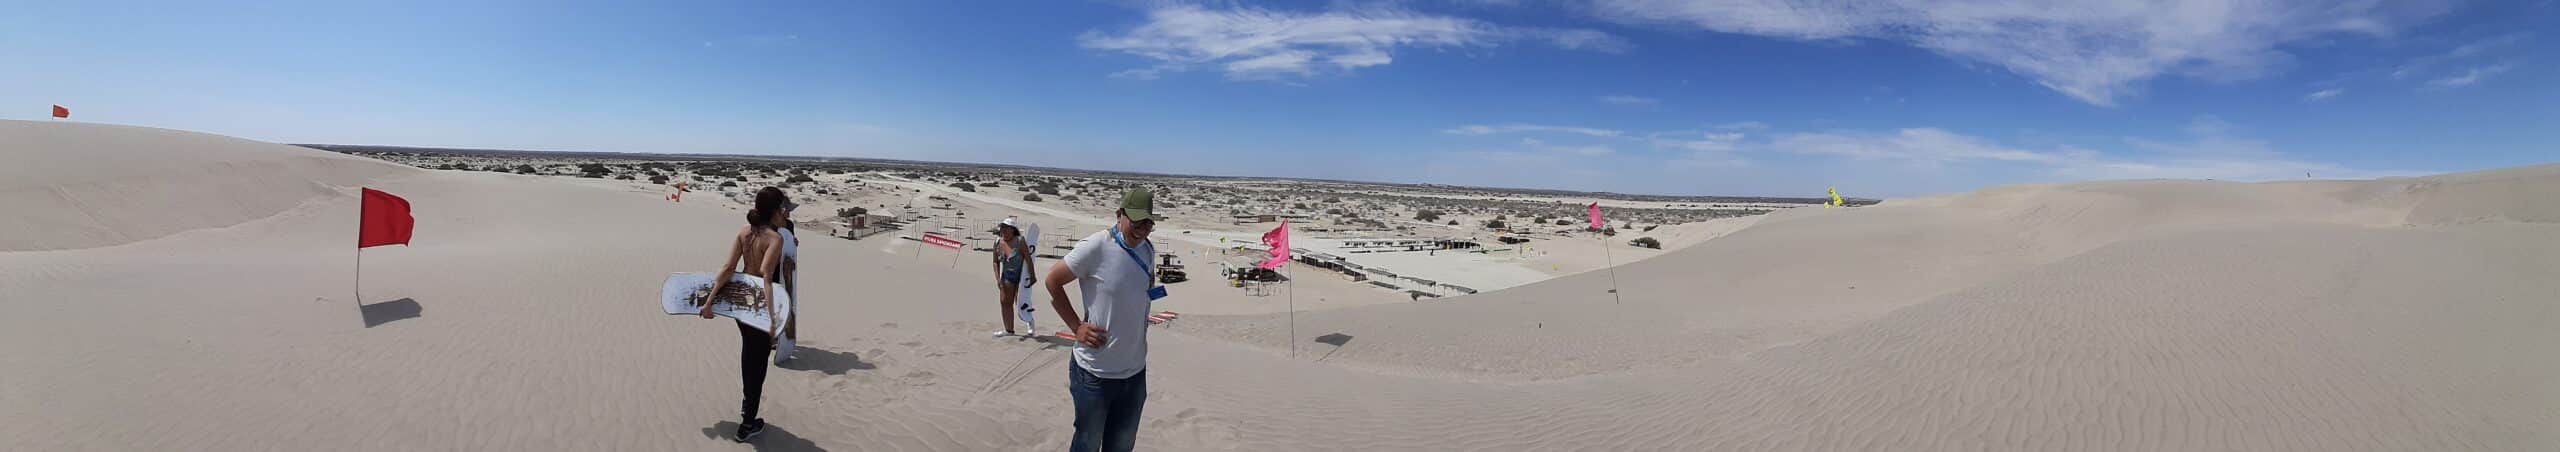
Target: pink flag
point(1278, 239)
point(1596, 222)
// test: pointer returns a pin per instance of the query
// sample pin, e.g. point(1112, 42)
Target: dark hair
point(768, 201)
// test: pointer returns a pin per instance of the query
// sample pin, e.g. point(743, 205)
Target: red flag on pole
point(1278, 240)
point(1597, 223)
point(60, 112)
point(386, 220)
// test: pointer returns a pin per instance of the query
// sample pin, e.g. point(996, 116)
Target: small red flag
point(1597, 223)
point(386, 220)
point(60, 112)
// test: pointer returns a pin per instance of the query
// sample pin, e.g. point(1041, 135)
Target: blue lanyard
point(1133, 253)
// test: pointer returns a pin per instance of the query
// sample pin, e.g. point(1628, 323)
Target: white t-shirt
point(1114, 288)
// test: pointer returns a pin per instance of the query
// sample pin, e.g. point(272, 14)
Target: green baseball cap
point(1138, 204)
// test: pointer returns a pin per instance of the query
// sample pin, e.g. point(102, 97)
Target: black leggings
point(754, 347)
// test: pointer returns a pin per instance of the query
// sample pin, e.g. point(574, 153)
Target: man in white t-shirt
point(1109, 379)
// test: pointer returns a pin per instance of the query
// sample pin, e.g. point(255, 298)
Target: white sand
point(2409, 314)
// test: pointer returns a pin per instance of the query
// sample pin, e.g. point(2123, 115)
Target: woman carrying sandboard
point(758, 250)
point(1012, 263)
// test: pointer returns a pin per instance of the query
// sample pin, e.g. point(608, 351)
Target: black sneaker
point(749, 430)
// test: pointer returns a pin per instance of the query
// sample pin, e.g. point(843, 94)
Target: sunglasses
point(1143, 225)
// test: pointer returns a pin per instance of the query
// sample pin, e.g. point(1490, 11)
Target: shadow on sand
point(385, 312)
point(822, 360)
point(1052, 341)
point(775, 438)
point(1336, 340)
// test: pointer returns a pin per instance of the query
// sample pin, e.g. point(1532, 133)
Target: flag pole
point(1613, 269)
point(1293, 308)
point(359, 281)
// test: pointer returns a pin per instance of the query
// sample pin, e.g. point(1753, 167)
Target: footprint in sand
point(1190, 423)
point(919, 378)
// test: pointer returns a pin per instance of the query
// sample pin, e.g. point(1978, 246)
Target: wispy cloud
point(2469, 77)
point(2422, 64)
point(1897, 161)
point(2096, 51)
point(1249, 43)
point(2211, 149)
point(1478, 129)
point(1744, 125)
point(2322, 95)
point(1697, 141)
point(1925, 145)
point(1587, 150)
point(1630, 100)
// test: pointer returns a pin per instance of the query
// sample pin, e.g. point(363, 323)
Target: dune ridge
point(77, 185)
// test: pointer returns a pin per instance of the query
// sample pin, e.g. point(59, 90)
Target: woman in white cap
point(1011, 256)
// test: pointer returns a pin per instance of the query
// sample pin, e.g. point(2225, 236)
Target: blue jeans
point(1106, 410)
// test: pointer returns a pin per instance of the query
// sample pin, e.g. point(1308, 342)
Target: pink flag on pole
point(1278, 239)
point(1597, 223)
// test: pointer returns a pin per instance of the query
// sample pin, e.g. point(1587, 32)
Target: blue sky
point(1744, 97)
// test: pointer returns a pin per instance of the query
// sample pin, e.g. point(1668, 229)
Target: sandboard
point(678, 294)
point(1026, 297)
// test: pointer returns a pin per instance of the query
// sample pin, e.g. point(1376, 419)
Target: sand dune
point(2401, 314)
point(88, 185)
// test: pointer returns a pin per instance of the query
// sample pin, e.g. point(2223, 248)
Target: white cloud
point(2474, 75)
point(2473, 49)
point(1630, 100)
point(1744, 125)
point(1918, 145)
point(1477, 129)
point(2325, 94)
point(1579, 150)
point(2096, 51)
point(1697, 141)
point(1901, 161)
point(1585, 151)
point(1250, 43)
point(2209, 152)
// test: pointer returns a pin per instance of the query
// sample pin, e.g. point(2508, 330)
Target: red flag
point(386, 220)
point(1278, 240)
point(60, 112)
point(1596, 222)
